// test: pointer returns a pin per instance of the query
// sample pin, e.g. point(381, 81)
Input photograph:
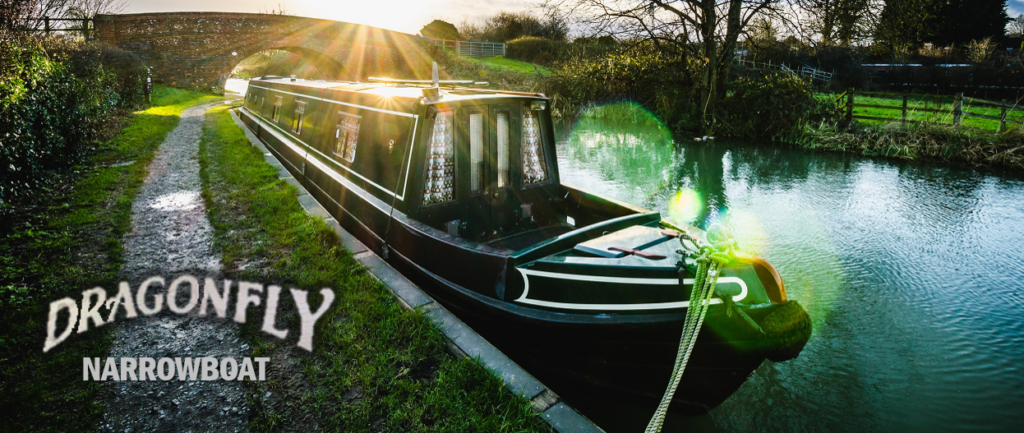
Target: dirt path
point(171, 235)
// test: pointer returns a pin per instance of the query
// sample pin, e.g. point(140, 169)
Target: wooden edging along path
point(462, 340)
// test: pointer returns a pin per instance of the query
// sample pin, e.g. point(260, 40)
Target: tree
point(438, 29)
point(505, 26)
point(902, 25)
point(25, 14)
point(91, 8)
point(705, 31)
point(1017, 26)
point(838, 22)
point(957, 22)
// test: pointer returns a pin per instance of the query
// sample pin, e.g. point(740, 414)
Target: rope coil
point(710, 259)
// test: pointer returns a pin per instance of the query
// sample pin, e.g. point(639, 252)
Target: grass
point(917, 102)
point(500, 73)
point(375, 366)
point(58, 247)
point(975, 143)
point(503, 64)
point(962, 146)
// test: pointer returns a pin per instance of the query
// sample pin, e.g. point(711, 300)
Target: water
point(236, 85)
point(913, 274)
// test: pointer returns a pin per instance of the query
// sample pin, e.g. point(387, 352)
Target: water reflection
point(911, 272)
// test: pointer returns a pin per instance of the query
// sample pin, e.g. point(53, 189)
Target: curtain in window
point(476, 152)
point(533, 155)
point(503, 149)
point(440, 183)
point(348, 135)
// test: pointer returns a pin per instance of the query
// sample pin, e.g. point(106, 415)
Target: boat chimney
point(433, 93)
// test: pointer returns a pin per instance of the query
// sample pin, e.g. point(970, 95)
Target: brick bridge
point(199, 49)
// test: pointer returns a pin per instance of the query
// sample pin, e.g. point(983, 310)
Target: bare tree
point(29, 14)
point(706, 31)
point(91, 8)
point(25, 14)
point(281, 10)
point(1017, 25)
point(836, 22)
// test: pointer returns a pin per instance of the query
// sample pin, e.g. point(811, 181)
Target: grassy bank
point(375, 366)
point(500, 73)
point(65, 243)
point(503, 64)
point(960, 146)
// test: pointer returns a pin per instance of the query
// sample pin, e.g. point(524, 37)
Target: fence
point(472, 49)
point(815, 74)
point(804, 71)
point(956, 112)
point(84, 26)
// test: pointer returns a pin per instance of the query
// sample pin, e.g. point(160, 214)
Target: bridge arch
point(200, 49)
point(327, 66)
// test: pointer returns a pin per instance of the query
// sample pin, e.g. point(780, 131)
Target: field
point(915, 112)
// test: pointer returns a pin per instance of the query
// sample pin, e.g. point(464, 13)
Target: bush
point(966, 146)
point(774, 106)
point(506, 26)
point(771, 106)
point(658, 81)
point(536, 50)
point(56, 98)
point(438, 29)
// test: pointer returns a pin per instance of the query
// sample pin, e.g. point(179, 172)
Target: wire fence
point(470, 48)
point(925, 108)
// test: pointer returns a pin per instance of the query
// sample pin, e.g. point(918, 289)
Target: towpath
point(171, 235)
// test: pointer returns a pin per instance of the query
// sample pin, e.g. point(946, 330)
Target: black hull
point(629, 355)
point(625, 353)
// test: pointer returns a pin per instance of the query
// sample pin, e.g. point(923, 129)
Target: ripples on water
point(913, 274)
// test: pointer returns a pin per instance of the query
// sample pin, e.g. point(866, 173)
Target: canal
point(913, 274)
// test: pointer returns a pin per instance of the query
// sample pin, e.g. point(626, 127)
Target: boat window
point(503, 149)
point(346, 134)
point(534, 169)
point(300, 111)
point(278, 101)
point(476, 151)
point(439, 186)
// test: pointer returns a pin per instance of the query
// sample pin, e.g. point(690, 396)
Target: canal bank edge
point(461, 340)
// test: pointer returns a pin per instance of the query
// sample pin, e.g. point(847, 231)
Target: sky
point(403, 15)
point(1014, 8)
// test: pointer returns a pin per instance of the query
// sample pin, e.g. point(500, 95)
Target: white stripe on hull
point(523, 299)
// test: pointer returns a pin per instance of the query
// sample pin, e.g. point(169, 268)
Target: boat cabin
point(473, 163)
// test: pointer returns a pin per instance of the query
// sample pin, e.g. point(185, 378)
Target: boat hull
point(629, 353)
point(624, 354)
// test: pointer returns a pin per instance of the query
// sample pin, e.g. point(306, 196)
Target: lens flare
point(684, 207)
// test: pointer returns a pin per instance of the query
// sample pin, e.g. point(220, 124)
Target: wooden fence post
point(849, 104)
point(903, 117)
point(1002, 118)
point(46, 20)
point(958, 108)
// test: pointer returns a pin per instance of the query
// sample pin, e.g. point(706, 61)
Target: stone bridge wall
point(199, 49)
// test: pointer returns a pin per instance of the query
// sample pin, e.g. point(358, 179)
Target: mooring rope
point(710, 259)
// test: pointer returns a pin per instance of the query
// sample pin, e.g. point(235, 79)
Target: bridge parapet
point(199, 49)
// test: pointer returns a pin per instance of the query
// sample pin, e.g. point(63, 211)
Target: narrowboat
point(458, 188)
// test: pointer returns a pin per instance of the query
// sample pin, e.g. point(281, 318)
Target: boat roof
point(448, 93)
